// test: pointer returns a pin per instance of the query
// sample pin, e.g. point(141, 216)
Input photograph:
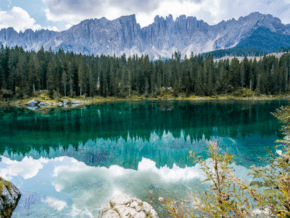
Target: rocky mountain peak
point(131, 18)
point(169, 17)
point(161, 38)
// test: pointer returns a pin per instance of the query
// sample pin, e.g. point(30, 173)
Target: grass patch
point(148, 215)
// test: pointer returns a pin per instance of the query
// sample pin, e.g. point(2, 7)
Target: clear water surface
point(69, 163)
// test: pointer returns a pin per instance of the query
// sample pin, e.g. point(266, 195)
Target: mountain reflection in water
point(65, 186)
point(70, 162)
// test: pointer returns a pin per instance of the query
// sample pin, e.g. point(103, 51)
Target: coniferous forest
point(23, 73)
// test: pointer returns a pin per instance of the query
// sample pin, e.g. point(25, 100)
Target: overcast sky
point(59, 15)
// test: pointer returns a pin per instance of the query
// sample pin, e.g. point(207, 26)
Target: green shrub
point(244, 92)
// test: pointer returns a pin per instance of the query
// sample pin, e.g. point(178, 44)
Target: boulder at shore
point(75, 102)
point(9, 197)
point(66, 102)
point(122, 205)
point(33, 102)
point(42, 104)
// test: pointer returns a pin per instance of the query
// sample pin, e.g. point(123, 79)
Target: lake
point(69, 163)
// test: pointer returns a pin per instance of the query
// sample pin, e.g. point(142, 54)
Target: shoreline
point(81, 101)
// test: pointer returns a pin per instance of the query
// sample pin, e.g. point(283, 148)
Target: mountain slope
point(263, 39)
point(161, 38)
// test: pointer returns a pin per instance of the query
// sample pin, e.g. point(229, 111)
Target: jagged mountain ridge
point(161, 38)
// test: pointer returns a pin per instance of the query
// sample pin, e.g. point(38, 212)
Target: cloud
point(55, 203)
point(19, 19)
point(72, 12)
point(90, 187)
point(173, 175)
point(228, 9)
point(52, 28)
point(67, 26)
point(77, 212)
point(99, 7)
point(27, 168)
point(100, 184)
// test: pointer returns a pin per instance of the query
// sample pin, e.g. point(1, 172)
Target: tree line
point(242, 52)
point(23, 73)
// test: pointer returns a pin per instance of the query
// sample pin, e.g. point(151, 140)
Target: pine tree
point(33, 70)
point(123, 80)
point(185, 76)
point(275, 76)
point(12, 62)
point(43, 62)
point(235, 73)
point(64, 82)
point(81, 78)
point(139, 76)
point(242, 75)
point(51, 71)
point(130, 75)
point(153, 80)
point(199, 85)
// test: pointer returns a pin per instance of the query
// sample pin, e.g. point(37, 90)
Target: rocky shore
point(9, 198)
point(124, 206)
point(120, 206)
point(36, 104)
point(65, 102)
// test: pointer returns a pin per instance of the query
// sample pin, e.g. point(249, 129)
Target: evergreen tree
point(33, 73)
point(64, 82)
point(81, 78)
point(199, 86)
point(51, 71)
point(185, 76)
point(24, 73)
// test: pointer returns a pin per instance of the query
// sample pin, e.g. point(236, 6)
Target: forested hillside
point(24, 73)
point(235, 52)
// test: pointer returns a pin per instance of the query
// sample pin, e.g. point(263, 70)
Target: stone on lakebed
point(122, 205)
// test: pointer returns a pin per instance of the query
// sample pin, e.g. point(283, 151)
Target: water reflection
point(22, 129)
point(164, 150)
point(70, 162)
point(65, 186)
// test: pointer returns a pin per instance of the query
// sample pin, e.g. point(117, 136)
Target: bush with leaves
point(6, 94)
point(276, 175)
point(229, 196)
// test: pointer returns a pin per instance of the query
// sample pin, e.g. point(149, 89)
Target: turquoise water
point(69, 163)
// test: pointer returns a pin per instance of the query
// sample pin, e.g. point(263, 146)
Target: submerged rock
point(32, 108)
point(9, 198)
point(33, 102)
point(42, 104)
point(66, 102)
point(122, 205)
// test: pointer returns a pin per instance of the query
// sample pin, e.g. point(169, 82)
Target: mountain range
point(161, 38)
